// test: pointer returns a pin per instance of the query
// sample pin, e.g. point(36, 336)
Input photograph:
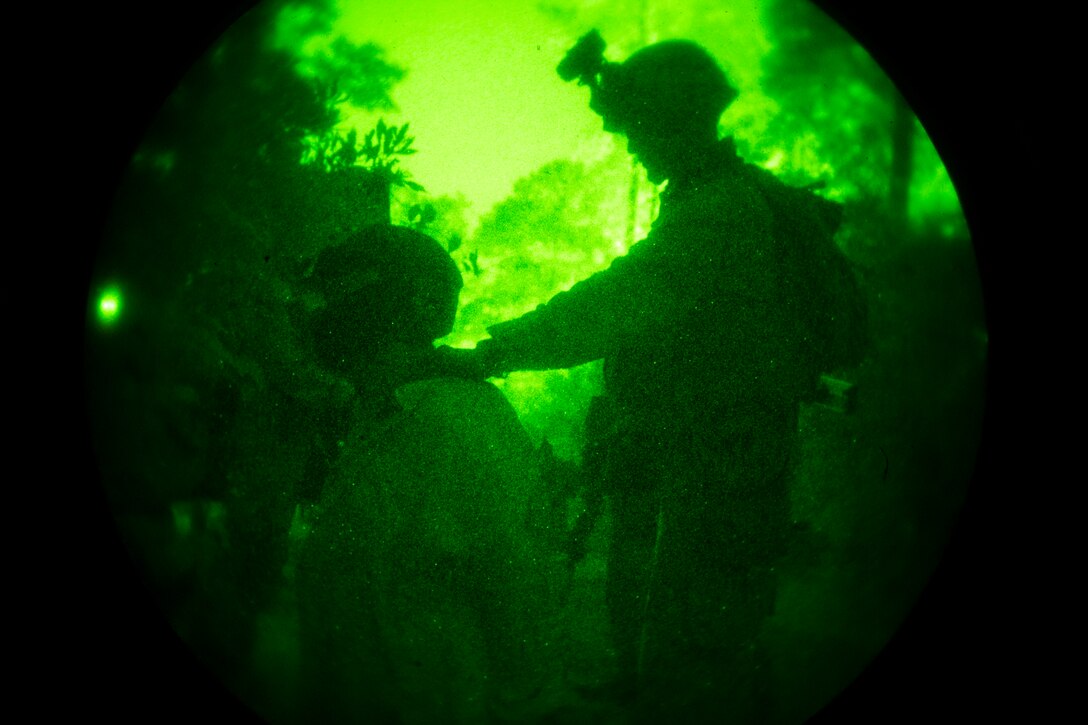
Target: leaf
point(413, 185)
point(400, 134)
point(454, 243)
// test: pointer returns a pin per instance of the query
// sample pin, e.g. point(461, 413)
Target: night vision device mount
point(585, 63)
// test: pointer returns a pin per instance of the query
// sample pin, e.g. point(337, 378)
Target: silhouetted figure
point(425, 589)
point(712, 329)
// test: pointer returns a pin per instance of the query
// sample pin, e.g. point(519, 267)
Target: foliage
point(546, 236)
point(420, 215)
point(440, 217)
point(831, 94)
point(215, 224)
point(359, 73)
point(381, 147)
point(378, 153)
point(840, 117)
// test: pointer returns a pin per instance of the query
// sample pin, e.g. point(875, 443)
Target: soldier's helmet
point(667, 87)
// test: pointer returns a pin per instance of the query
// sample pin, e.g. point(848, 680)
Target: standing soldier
point(712, 329)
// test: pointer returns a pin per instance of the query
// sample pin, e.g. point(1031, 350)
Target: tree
point(207, 410)
point(842, 118)
point(224, 153)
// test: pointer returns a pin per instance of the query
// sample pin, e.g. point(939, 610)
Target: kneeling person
point(425, 588)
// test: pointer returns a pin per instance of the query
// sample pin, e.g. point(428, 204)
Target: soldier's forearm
point(544, 340)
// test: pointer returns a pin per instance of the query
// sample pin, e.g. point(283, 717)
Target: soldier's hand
point(476, 364)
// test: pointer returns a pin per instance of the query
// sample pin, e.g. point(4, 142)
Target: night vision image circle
point(550, 361)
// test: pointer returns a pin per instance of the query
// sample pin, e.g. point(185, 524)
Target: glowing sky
point(486, 107)
point(481, 93)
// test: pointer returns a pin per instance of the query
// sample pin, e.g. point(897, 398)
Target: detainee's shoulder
point(474, 414)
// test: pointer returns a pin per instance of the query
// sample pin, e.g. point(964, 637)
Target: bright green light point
point(109, 307)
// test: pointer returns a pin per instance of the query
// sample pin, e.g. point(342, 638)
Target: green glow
point(183, 519)
point(479, 139)
point(109, 306)
point(218, 399)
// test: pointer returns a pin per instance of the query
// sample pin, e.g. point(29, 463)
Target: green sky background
point(481, 92)
point(486, 106)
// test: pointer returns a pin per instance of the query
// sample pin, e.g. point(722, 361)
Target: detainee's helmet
point(383, 284)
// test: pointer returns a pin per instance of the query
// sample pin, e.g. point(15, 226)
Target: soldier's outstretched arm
point(479, 363)
point(642, 295)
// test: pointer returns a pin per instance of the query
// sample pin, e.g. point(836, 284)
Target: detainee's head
point(384, 287)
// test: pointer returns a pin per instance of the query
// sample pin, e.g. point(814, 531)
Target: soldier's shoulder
point(717, 199)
